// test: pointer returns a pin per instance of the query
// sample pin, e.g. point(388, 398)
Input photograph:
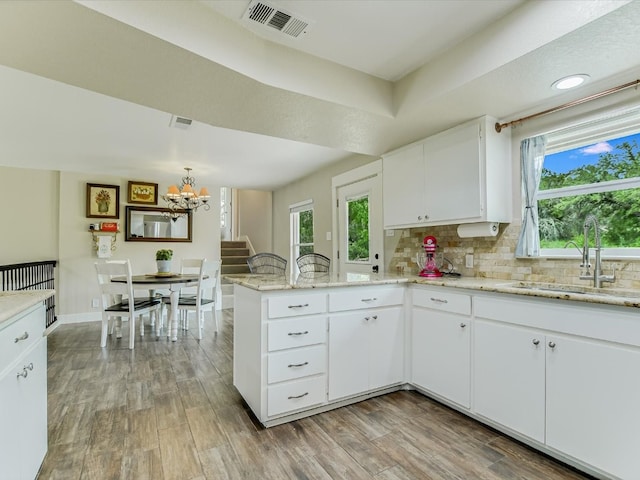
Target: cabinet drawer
point(296, 332)
point(296, 395)
point(355, 299)
point(441, 300)
point(293, 305)
point(20, 335)
point(297, 363)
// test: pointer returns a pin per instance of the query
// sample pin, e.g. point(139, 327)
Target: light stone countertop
point(14, 302)
point(583, 293)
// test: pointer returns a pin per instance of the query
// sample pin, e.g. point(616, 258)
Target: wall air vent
point(278, 19)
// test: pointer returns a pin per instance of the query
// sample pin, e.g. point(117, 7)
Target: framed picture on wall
point(103, 201)
point(143, 193)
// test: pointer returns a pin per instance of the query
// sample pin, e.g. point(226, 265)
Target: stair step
point(233, 244)
point(233, 260)
point(234, 252)
point(224, 269)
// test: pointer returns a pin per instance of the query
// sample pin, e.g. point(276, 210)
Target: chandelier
point(184, 200)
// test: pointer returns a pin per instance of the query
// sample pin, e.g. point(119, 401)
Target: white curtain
point(531, 161)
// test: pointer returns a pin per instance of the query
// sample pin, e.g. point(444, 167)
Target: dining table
point(174, 282)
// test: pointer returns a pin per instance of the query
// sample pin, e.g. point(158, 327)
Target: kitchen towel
point(483, 229)
point(104, 246)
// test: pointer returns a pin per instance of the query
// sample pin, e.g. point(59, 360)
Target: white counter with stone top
point(14, 302)
point(609, 295)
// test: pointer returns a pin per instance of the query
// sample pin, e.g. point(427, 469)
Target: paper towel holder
point(481, 229)
point(96, 234)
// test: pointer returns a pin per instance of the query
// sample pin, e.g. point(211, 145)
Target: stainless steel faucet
point(597, 275)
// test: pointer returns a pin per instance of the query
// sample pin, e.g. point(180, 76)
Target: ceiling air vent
point(180, 122)
point(276, 18)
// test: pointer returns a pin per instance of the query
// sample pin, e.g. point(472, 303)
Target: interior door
point(360, 242)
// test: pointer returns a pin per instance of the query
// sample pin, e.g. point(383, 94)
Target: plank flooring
point(169, 411)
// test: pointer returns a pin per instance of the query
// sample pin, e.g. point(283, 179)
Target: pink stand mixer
point(426, 261)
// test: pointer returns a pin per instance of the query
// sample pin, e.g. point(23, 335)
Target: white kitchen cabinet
point(365, 351)
point(509, 376)
point(366, 340)
point(464, 176)
point(441, 343)
point(593, 403)
point(23, 390)
point(564, 375)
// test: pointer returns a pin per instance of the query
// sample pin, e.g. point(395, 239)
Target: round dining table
point(174, 282)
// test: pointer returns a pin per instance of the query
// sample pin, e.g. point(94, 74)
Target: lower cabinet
point(563, 375)
point(509, 377)
point(365, 351)
point(441, 344)
point(23, 394)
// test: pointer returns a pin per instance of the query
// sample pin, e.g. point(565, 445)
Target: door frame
point(371, 170)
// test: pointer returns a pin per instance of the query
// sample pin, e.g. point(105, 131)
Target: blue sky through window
point(562, 162)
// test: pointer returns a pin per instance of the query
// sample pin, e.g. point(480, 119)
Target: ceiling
point(92, 86)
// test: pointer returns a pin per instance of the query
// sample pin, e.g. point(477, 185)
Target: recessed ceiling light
point(570, 82)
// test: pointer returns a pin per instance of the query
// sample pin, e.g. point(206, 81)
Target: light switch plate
point(390, 233)
point(468, 260)
point(328, 235)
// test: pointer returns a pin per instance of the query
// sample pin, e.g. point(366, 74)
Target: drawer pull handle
point(375, 317)
point(299, 306)
point(536, 342)
point(463, 325)
point(24, 336)
point(22, 374)
point(298, 333)
point(293, 365)
point(369, 299)
point(297, 396)
point(438, 300)
point(552, 345)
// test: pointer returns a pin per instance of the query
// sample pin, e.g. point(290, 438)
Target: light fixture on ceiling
point(571, 81)
point(184, 200)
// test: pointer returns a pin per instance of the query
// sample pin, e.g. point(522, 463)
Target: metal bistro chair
point(313, 262)
point(269, 263)
point(118, 300)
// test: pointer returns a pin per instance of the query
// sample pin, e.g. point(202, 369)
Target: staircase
point(234, 256)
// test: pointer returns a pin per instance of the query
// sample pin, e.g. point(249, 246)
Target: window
point(592, 168)
point(301, 224)
point(358, 226)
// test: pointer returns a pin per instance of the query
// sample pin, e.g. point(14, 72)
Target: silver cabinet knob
point(463, 325)
point(419, 217)
point(535, 341)
point(552, 345)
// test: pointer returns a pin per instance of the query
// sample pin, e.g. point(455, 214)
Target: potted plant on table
point(163, 260)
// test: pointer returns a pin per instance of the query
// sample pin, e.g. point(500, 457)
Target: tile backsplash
point(493, 257)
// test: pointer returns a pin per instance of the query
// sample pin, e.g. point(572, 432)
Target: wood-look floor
point(168, 411)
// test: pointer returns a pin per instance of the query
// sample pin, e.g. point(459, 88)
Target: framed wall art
point(103, 201)
point(143, 193)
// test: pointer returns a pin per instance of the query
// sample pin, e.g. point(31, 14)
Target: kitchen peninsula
point(550, 365)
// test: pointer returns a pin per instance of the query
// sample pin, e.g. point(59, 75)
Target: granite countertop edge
point(13, 302)
point(271, 283)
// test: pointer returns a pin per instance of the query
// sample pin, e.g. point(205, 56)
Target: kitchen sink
point(571, 289)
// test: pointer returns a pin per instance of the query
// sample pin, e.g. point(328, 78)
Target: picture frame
point(103, 201)
point(143, 193)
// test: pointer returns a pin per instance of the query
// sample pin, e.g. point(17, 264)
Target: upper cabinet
point(462, 175)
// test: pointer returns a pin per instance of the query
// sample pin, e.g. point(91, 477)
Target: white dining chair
point(118, 300)
point(201, 297)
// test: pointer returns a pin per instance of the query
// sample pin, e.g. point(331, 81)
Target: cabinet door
point(453, 171)
point(441, 350)
point(11, 423)
point(509, 376)
point(348, 355)
point(593, 399)
point(403, 183)
point(386, 347)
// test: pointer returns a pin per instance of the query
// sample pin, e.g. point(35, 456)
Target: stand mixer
point(426, 261)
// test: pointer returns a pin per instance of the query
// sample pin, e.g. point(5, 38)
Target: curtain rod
point(635, 83)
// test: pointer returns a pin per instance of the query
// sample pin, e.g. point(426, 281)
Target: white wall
point(53, 226)
point(254, 218)
point(29, 231)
